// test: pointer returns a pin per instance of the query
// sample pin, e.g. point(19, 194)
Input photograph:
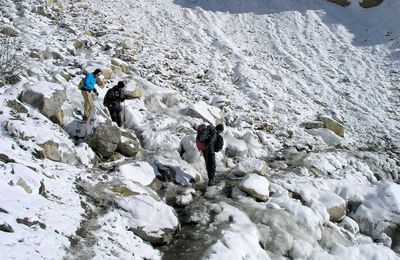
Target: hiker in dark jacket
point(113, 99)
point(86, 90)
point(209, 151)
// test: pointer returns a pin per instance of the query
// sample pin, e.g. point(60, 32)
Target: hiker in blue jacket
point(86, 91)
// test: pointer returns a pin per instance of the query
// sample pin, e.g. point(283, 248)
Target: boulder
point(340, 2)
point(129, 44)
point(48, 98)
point(155, 222)
point(238, 148)
point(314, 124)
point(107, 73)
point(52, 150)
point(5, 227)
point(129, 145)
point(370, 3)
point(180, 172)
point(22, 183)
point(120, 63)
point(104, 139)
point(333, 125)
point(250, 165)
point(204, 111)
point(10, 31)
point(50, 53)
point(256, 186)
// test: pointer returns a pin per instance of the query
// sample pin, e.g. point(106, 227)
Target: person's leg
point(210, 166)
point(91, 103)
point(113, 114)
point(119, 118)
point(86, 105)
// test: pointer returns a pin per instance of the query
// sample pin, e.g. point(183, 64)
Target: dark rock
point(27, 222)
point(17, 106)
point(6, 228)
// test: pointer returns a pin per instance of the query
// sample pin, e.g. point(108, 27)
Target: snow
point(141, 172)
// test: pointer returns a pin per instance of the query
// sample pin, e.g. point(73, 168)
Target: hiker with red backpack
point(209, 141)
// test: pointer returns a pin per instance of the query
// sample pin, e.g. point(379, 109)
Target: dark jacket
point(113, 98)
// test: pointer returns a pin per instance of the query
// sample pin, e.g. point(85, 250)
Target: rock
point(120, 63)
point(29, 223)
point(155, 222)
point(104, 139)
point(314, 124)
point(65, 75)
point(235, 149)
point(204, 111)
point(256, 186)
point(129, 44)
point(10, 31)
point(139, 172)
point(107, 73)
point(170, 100)
point(335, 205)
point(129, 145)
point(340, 2)
point(22, 183)
point(180, 172)
point(48, 98)
point(250, 165)
point(156, 185)
point(50, 53)
point(333, 125)
point(52, 150)
point(17, 106)
point(370, 3)
point(40, 10)
point(137, 93)
point(5, 158)
point(350, 225)
point(6, 228)
point(78, 44)
point(328, 136)
point(123, 191)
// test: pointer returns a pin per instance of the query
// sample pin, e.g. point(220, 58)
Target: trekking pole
point(124, 113)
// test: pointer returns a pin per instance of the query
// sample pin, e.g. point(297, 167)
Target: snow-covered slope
point(268, 70)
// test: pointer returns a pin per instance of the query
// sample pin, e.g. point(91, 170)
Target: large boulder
point(180, 172)
point(370, 3)
point(48, 98)
point(204, 111)
point(149, 219)
point(129, 145)
point(256, 186)
point(104, 138)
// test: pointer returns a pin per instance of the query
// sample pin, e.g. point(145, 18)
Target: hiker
point(86, 90)
point(209, 141)
point(113, 99)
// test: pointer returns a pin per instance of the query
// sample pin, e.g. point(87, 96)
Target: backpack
point(219, 143)
point(108, 98)
point(81, 84)
point(201, 137)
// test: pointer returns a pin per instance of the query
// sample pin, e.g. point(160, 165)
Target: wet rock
point(155, 222)
point(6, 228)
point(256, 186)
point(179, 172)
point(48, 98)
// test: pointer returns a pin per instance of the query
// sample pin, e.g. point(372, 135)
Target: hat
point(219, 128)
point(96, 72)
point(121, 84)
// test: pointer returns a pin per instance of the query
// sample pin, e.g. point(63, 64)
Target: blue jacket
point(90, 80)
